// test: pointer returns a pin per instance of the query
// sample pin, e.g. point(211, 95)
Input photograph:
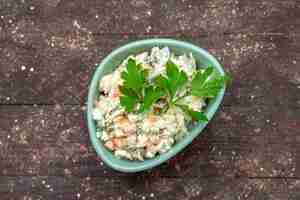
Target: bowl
point(202, 57)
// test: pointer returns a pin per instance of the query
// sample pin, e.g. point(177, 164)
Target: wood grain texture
point(41, 140)
point(57, 44)
point(49, 50)
point(61, 75)
point(155, 17)
point(57, 187)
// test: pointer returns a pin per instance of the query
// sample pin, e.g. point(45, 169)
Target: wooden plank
point(54, 187)
point(52, 40)
point(152, 17)
point(53, 140)
point(49, 140)
point(27, 73)
point(61, 74)
point(228, 16)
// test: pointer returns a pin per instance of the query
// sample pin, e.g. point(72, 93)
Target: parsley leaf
point(206, 85)
point(136, 90)
point(174, 81)
point(127, 91)
point(176, 78)
point(151, 96)
point(195, 115)
point(163, 83)
point(129, 98)
point(134, 77)
point(128, 102)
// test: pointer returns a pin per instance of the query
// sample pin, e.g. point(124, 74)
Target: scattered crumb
point(52, 3)
point(79, 39)
point(225, 116)
point(76, 24)
point(31, 69)
point(23, 67)
point(134, 17)
point(148, 29)
point(67, 171)
point(257, 130)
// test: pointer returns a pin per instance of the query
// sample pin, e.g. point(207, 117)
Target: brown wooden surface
point(49, 50)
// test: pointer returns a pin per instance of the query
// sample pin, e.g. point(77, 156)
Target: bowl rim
point(95, 81)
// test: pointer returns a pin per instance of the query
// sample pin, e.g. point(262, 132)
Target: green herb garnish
point(136, 90)
point(139, 93)
point(174, 81)
point(195, 115)
point(152, 94)
point(135, 80)
point(207, 85)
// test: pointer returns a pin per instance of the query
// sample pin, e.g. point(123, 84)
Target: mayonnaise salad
point(138, 136)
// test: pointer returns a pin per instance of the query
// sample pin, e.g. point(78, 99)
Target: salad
point(147, 104)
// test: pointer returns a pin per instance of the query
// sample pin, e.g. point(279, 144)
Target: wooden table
point(49, 50)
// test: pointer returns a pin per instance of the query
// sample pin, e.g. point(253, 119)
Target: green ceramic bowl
point(202, 57)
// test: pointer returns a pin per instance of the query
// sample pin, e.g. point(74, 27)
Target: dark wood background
point(49, 50)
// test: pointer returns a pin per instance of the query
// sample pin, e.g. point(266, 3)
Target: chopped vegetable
point(148, 102)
